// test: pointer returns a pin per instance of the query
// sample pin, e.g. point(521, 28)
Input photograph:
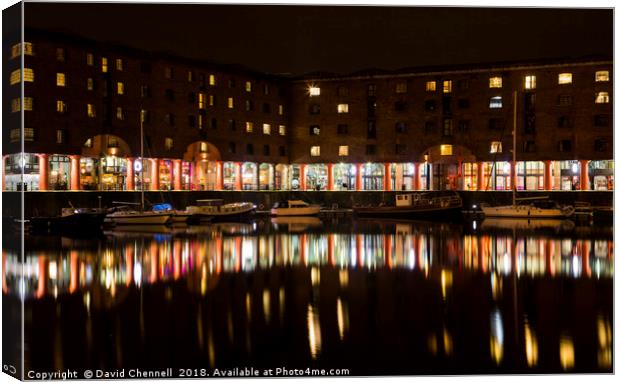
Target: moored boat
point(139, 217)
point(215, 209)
point(538, 209)
point(295, 208)
point(417, 206)
point(71, 219)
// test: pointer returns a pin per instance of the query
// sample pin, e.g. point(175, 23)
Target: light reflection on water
point(434, 292)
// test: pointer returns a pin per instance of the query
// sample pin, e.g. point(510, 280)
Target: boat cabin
point(404, 200)
point(292, 204)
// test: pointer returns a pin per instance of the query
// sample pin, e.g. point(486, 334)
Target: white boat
point(295, 208)
point(528, 211)
point(549, 210)
point(139, 217)
point(207, 209)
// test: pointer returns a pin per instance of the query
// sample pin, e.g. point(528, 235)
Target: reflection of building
point(230, 248)
point(213, 127)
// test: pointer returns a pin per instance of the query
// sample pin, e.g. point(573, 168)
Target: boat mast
point(514, 150)
point(141, 161)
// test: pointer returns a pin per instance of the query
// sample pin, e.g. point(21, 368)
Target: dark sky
point(301, 39)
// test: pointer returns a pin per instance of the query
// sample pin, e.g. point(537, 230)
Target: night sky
point(301, 39)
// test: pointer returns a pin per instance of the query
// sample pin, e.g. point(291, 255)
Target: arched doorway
point(442, 166)
point(372, 176)
point(103, 164)
point(281, 181)
point(202, 158)
point(265, 176)
point(249, 176)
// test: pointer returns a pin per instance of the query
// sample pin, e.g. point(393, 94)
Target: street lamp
point(427, 167)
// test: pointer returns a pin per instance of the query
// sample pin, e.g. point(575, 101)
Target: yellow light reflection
point(497, 336)
point(604, 342)
point(342, 312)
point(447, 342)
point(266, 305)
point(343, 277)
point(432, 344)
point(281, 304)
point(314, 332)
point(446, 282)
point(315, 276)
point(531, 346)
point(567, 352)
point(248, 306)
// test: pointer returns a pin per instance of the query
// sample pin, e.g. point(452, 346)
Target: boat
point(295, 208)
point(539, 208)
point(215, 209)
point(71, 219)
point(417, 206)
point(126, 215)
point(176, 217)
point(548, 210)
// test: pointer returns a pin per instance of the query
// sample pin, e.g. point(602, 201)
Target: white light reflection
point(314, 332)
point(497, 336)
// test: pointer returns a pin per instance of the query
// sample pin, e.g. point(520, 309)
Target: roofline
point(429, 71)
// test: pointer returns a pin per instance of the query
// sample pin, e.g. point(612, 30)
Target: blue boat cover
point(162, 207)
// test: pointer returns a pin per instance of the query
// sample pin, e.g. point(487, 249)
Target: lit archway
point(103, 164)
point(201, 169)
point(442, 167)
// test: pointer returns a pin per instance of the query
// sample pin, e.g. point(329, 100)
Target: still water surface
point(376, 297)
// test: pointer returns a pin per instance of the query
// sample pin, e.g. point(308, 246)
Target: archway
point(201, 168)
point(282, 179)
point(442, 167)
point(103, 164)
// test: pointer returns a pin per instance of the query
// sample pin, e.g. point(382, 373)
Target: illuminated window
point(401, 87)
point(565, 78)
point(343, 108)
point(15, 76)
point(601, 76)
point(248, 86)
point(530, 82)
point(90, 110)
point(280, 109)
point(60, 54)
point(266, 129)
point(201, 101)
point(203, 147)
point(602, 97)
point(315, 130)
point(119, 113)
point(60, 79)
point(90, 85)
point(90, 59)
point(212, 79)
point(61, 107)
point(314, 91)
point(104, 64)
point(120, 88)
point(447, 86)
point(495, 82)
point(190, 76)
point(496, 147)
point(282, 129)
point(495, 102)
point(15, 105)
point(446, 149)
point(343, 151)
point(211, 100)
point(315, 151)
point(249, 127)
point(28, 75)
point(119, 64)
point(61, 136)
point(28, 102)
point(231, 103)
point(201, 122)
point(16, 50)
point(168, 143)
point(431, 86)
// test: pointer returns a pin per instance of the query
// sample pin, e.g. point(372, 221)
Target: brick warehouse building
point(219, 127)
